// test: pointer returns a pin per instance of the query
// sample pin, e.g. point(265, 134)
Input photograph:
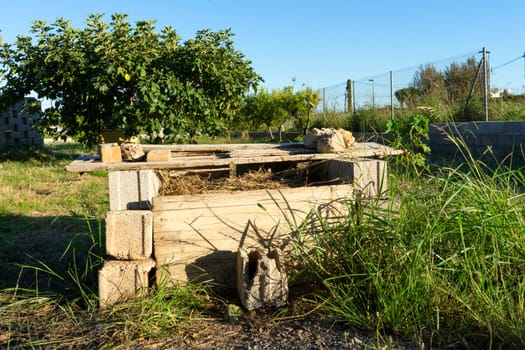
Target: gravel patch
point(251, 333)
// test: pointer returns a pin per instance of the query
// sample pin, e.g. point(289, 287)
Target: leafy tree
point(265, 108)
point(430, 84)
point(306, 101)
point(273, 108)
point(459, 79)
point(119, 76)
point(407, 96)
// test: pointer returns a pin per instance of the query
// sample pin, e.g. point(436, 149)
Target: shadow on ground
point(49, 254)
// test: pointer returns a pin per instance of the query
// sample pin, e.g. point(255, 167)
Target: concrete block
point(132, 189)
point(119, 281)
point(495, 128)
point(159, 155)
point(513, 128)
point(129, 234)
point(370, 176)
point(261, 279)
point(110, 153)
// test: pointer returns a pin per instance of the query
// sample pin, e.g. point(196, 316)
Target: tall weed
point(442, 262)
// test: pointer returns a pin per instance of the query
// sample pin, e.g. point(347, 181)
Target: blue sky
point(320, 43)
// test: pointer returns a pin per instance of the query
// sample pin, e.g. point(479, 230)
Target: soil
point(256, 332)
point(297, 326)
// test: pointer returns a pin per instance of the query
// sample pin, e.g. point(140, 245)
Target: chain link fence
point(378, 91)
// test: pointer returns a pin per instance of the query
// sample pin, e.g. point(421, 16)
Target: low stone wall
point(492, 140)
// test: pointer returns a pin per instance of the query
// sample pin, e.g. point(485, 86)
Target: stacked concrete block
point(121, 280)
point(133, 189)
point(368, 176)
point(16, 127)
point(129, 235)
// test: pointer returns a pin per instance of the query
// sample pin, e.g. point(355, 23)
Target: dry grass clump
point(191, 184)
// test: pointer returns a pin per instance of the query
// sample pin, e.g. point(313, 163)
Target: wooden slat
point(176, 173)
point(157, 155)
point(246, 153)
point(362, 150)
point(221, 147)
point(219, 269)
point(207, 229)
point(242, 199)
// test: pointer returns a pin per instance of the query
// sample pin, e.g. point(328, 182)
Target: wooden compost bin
point(196, 237)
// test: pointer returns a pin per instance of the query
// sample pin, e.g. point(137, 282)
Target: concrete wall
point(492, 140)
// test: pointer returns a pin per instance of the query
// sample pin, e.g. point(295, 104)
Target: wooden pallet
point(219, 156)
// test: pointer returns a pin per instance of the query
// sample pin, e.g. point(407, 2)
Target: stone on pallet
point(119, 280)
point(261, 279)
point(129, 234)
point(132, 152)
point(132, 189)
point(329, 140)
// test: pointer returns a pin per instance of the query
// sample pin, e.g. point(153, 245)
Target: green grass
point(441, 262)
point(51, 248)
point(42, 208)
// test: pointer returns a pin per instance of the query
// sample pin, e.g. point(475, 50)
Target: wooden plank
point(168, 252)
point(246, 153)
point(259, 198)
point(175, 173)
point(217, 267)
point(209, 228)
point(158, 155)
point(198, 236)
point(362, 150)
point(90, 164)
point(196, 155)
point(221, 147)
point(219, 222)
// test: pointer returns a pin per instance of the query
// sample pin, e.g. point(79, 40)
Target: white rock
point(329, 140)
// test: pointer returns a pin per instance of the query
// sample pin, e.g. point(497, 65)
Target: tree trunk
point(270, 133)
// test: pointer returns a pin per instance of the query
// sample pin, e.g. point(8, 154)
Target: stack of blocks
point(16, 127)
point(129, 235)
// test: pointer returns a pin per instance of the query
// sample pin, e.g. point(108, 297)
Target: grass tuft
point(443, 262)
